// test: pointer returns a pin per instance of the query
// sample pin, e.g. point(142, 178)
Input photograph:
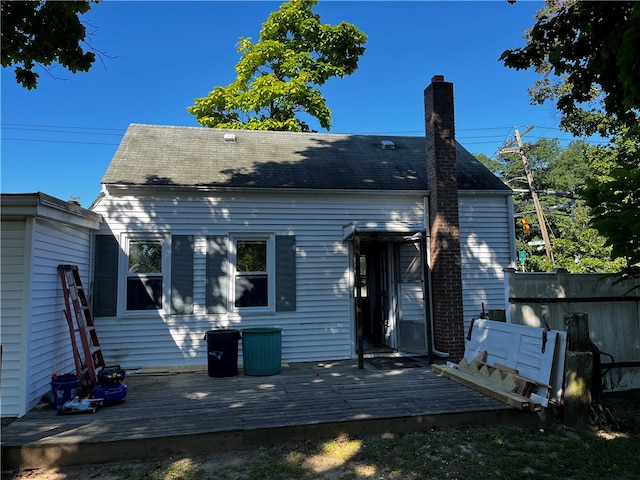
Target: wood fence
point(536, 299)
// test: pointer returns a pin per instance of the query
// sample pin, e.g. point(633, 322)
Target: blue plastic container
point(110, 393)
point(63, 389)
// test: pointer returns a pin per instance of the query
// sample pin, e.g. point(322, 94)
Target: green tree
point(614, 197)
point(559, 173)
point(279, 76)
point(580, 248)
point(586, 54)
point(41, 33)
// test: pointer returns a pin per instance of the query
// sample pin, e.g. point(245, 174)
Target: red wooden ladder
point(89, 360)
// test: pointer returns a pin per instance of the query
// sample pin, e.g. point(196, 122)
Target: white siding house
point(38, 233)
point(487, 248)
point(320, 327)
point(258, 228)
point(329, 237)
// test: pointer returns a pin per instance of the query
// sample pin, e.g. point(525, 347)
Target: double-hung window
point(252, 272)
point(155, 272)
point(261, 273)
point(145, 280)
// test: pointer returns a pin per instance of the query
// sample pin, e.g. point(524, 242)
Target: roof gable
point(195, 156)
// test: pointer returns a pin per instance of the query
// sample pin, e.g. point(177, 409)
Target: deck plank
point(315, 398)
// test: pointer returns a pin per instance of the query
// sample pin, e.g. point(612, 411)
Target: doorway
point(377, 299)
point(393, 295)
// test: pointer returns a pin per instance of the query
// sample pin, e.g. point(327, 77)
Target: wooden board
point(521, 348)
point(484, 385)
point(303, 394)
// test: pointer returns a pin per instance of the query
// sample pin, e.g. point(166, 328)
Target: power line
point(49, 130)
point(106, 131)
point(388, 132)
point(74, 130)
point(57, 141)
point(62, 126)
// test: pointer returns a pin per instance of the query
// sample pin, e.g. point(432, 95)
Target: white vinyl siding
point(321, 325)
point(13, 336)
point(35, 336)
point(487, 248)
point(49, 339)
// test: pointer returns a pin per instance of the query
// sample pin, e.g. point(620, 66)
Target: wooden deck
point(172, 414)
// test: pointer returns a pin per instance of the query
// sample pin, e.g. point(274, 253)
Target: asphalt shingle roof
point(195, 156)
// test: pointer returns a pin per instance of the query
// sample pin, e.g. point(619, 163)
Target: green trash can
point(261, 350)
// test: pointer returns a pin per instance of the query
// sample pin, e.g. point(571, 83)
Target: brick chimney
point(446, 277)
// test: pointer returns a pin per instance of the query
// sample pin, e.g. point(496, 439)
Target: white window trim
point(125, 240)
point(271, 271)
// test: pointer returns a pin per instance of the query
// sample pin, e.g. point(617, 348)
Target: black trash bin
point(222, 352)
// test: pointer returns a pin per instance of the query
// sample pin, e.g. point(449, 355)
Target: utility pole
point(534, 194)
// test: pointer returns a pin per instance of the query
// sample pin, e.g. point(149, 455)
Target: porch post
point(358, 280)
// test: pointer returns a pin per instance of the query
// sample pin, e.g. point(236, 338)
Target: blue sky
point(160, 56)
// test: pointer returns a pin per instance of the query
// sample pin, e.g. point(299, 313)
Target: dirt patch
point(220, 466)
point(621, 410)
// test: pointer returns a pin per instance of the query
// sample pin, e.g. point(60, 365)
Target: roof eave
point(506, 193)
point(41, 205)
point(202, 189)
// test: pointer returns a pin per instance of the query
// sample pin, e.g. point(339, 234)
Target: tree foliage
point(587, 55)
point(41, 33)
point(593, 49)
point(559, 173)
point(279, 75)
point(614, 197)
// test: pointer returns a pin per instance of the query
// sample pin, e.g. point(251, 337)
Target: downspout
point(427, 249)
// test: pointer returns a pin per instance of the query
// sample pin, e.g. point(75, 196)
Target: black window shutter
point(285, 273)
point(181, 274)
point(105, 277)
point(217, 274)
